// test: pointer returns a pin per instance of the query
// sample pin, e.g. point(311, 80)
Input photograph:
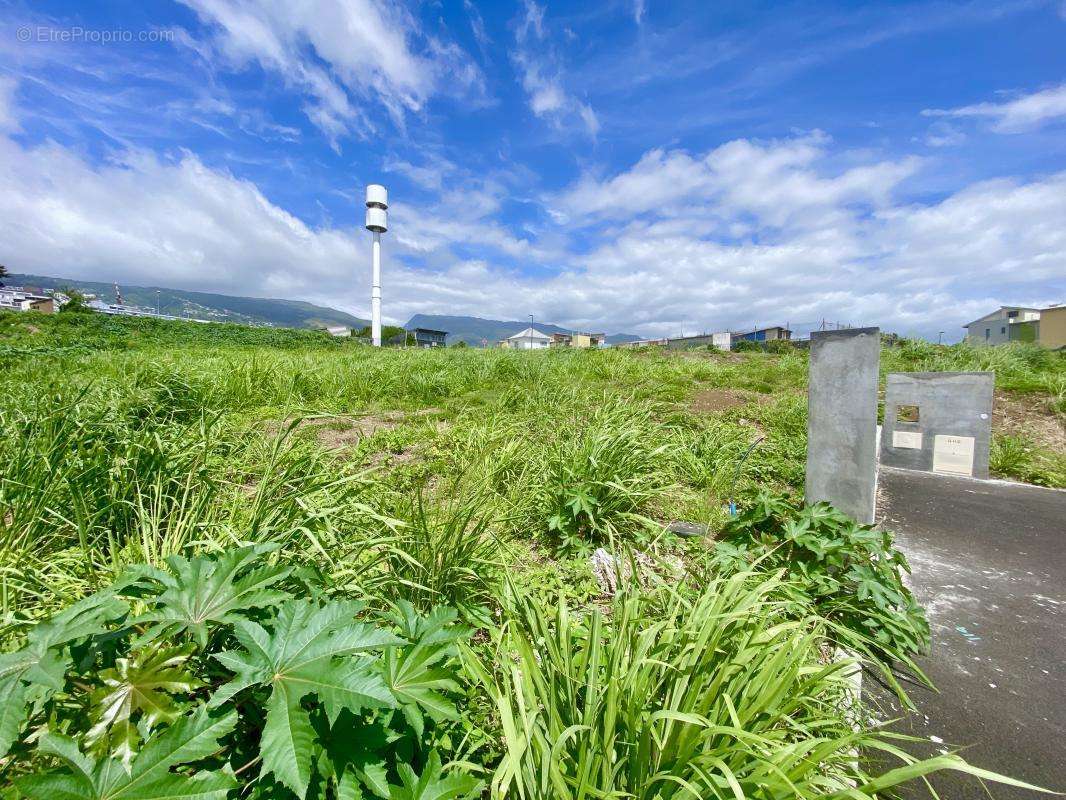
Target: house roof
point(529, 333)
point(429, 330)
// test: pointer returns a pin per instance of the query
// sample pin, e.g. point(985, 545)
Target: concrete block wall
point(955, 406)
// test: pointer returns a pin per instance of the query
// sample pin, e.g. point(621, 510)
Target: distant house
point(1052, 332)
point(578, 339)
point(774, 333)
point(338, 330)
point(428, 337)
point(1005, 324)
point(528, 339)
point(13, 298)
point(1044, 326)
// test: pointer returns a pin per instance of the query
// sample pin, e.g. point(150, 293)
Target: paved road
point(989, 564)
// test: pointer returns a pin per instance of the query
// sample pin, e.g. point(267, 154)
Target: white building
point(14, 298)
point(338, 330)
point(1003, 325)
point(529, 339)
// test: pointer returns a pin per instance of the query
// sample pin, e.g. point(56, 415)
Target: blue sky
point(634, 166)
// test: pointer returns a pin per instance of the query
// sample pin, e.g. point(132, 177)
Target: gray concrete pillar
point(842, 420)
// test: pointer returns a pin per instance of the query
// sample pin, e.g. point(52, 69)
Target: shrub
point(225, 680)
point(850, 574)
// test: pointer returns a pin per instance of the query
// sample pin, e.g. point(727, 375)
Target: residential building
point(338, 330)
point(774, 333)
point(589, 340)
point(15, 298)
point(528, 339)
point(1052, 327)
point(578, 339)
point(1006, 324)
point(427, 337)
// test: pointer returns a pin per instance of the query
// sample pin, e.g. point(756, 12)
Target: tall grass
point(716, 696)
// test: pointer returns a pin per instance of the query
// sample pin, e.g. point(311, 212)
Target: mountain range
point(475, 331)
point(204, 305)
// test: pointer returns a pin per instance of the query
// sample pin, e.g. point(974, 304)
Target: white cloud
point(775, 182)
point(942, 134)
point(639, 10)
point(748, 233)
point(541, 74)
point(477, 25)
point(7, 104)
point(428, 175)
point(369, 50)
point(1013, 116)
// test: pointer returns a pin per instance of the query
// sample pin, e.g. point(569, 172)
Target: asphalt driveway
point(989, 564)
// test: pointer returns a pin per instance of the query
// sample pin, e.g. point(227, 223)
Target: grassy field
point(218, 491)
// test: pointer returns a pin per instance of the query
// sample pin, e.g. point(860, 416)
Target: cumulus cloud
point(747, 233)
point(341, 54)
point(1013, 116)
point(775, 183)
point(541, 73)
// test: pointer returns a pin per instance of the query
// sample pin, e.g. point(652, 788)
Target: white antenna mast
point(377, 201)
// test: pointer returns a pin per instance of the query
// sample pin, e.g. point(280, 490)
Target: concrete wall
point(842, 420)
point(1053, 327)
point(955, 406)
point(681, 342)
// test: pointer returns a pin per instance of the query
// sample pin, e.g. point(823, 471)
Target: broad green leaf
point(40, 666)
point(12, 709)
point(149, 777)
point(135, 697)
point(354, 758)
point(413, 671)
point(288, 739)
point(198, 591)
point(431, 784)
point(308, 650)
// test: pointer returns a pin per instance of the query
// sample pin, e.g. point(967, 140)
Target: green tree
point(3, 274)
point(76, 302)
point(390, 334)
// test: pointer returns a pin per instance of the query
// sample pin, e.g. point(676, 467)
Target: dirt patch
point(338, 434)
point(1029, 417)
point(716, 401)
point(406, 456)
point(339, 431)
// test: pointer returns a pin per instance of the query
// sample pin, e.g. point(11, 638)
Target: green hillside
point(204, 305)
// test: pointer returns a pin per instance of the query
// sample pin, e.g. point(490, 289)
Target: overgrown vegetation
point(849, 574)
point(224, 670)
point(182, 504)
